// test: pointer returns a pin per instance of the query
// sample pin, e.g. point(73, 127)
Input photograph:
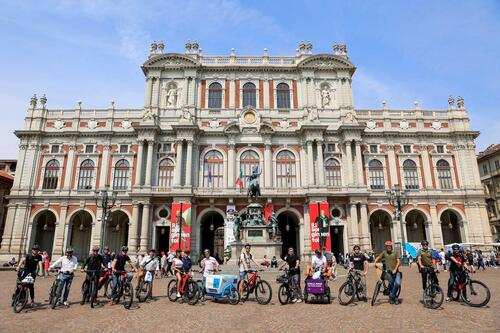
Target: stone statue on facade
point(186, 115)
point(172, 97)
point(460, 102)
point(451, 101)
point(148, 115)
point(312, 114)
point(273, 221)
point(238, 223)
point(254, 186)
point(325, 96)
point(350, 117)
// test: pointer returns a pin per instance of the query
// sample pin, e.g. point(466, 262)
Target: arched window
point(165, 173)
point(283, 96)
point(249, 160)
point(376, 171)
point(410, 174)
point(215, 96)
point(86, 175)
point(444, 174)
point(249, 95)
point(213, 169)
point(51, 176)
point(333, 175)
point(286, 172)
point(121, 175)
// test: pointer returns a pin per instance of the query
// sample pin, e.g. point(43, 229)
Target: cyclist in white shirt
point(149, 264)
point(442, 256)
point(318, 263)
point(209, 266)
point(246, 259)
point(68, 264)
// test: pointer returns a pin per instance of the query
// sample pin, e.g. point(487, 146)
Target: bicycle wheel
point(376, 291)
point(52, 293)
point(245, 293)
point(263, 292)
point(20, 300)
point(433, 296)
point(233, 296)
point(284, 294)
point(57, 294)
point(172, 290)
point(347, 291)
point(192, 292)
point(476, 294)
point(127, 295)
point(85, 291)
point(143, 291)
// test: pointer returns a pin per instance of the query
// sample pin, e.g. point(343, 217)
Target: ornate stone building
point(489, 168)
point(207, 122)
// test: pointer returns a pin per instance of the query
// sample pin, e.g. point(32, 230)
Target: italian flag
point(239, 180)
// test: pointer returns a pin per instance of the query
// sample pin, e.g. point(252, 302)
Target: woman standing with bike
point(177, 265)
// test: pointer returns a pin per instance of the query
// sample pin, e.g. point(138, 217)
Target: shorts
point(243, 275)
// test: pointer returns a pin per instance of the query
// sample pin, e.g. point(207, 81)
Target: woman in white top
point(177, 267)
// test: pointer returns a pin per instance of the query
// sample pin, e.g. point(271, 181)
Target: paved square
point(164, 316)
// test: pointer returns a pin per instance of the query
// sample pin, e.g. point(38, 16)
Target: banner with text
point(320, 225)
point(181, 219)
point(267, 212)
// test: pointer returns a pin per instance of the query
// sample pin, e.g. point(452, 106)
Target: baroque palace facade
point(206, 124)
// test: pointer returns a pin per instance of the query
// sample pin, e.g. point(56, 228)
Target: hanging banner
point(181, 216)
point(228, 231)
point(320, 225)
point(267, 212)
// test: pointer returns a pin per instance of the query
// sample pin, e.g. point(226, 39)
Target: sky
point(405, 51)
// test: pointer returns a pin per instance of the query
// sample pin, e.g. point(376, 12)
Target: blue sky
point(405, 51)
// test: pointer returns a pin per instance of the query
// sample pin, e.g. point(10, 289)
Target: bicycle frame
point(252, 279)
point(103, 279)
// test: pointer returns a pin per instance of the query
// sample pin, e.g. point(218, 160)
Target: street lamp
point(104, 201)
point(398, 199)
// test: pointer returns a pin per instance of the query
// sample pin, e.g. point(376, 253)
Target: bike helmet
point(388, 243)
point(69, 249)
point(124, 248)
point(36, 247)
point(424, 242)
point(455, 247)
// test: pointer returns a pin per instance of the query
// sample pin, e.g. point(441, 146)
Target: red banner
point(181, 215)
point(320, 225)
point(267, 212)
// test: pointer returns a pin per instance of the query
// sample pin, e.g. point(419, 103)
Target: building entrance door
point(162, 239)
point(219, 242)
point(337, 241)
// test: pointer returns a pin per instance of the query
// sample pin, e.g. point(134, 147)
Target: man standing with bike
point(293, 262)
point(149, 264)
point(359, 262)
point(30, 264)
point(209, 265)
point(68, 264)
point(246, 259)
point(426, 263)
point(392, 262)
point(457, 264)
point(118, 267)
point(94, 265)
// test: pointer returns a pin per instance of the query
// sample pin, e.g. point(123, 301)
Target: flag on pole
point(256, 170)
point(239, 180)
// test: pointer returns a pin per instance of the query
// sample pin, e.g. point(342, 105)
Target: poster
point(267, 212)
point(320, 225)
point(181, 215)
point(228, 232)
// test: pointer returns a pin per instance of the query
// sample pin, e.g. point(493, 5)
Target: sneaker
point(391, 301)
point(66, 303)
point(178, 295)
point(110, 302)
point(396, 301)
point(364, 299)
point(448, 299)
point(294, 300)
point(202, 299)
point(299, 300)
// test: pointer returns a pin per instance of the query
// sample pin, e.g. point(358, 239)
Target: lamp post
point(104, 201)
point(398, 199)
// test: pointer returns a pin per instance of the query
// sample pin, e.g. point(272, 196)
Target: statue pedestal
point(258, 237)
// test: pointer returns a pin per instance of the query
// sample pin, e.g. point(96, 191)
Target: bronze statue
point(254, 186)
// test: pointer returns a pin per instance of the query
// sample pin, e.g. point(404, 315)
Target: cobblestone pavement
point(163, 315)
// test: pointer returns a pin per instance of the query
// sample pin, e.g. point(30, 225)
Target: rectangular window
point(407, 149)
point(331, 147)
point(123, 148)
point(54, 149)
point(373, 149)
point(167, 147)
point(497, 164)
point(485, 169)
point(89, 149)
point(440, 149)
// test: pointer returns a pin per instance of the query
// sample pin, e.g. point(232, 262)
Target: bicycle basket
point(28, 279)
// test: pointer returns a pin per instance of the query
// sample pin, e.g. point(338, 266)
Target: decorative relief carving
point(370, 124)
point(214, 123)
point(284, 123)
point(312, 114)
point(436, 125)
point(92, 124)
point(404, 124)
point(126, 124)
point(59, 124)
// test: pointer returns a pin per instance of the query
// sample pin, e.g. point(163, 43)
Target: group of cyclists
point(322, 266)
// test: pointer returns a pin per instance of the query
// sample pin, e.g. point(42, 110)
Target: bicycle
point(351, 288)
point(89, 291)
point(254, 283)
point(145, 287)
point(22, 293)
point(104, 283)
point(54, 292)
point(285, 290)
point(470, 291)
point(384, 283)
point(433, 294)
point(124, 289)
point(190, 291)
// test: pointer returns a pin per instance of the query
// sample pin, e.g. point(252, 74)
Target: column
point(60, 232)
point(364, 226)
point(231, 165)
point(134, 224)
point(189, 163)
point(429, 232)
point(149, 163)
point(145, 228)
point(186, 91)
point(320, 164)
point(426, 166)
point(178, 164)
point(105, 166)
point(95, 234)
point(149, 88)
point(303, 167)
point(392, 165)
point(268, 165)
point(353, 223)
point(138, 169)
point(359, 164)
point(310, 162)
point(436, 227)
point(68, 174)
point(349, 171)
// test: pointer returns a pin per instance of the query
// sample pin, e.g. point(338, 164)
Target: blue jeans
point(114, 282)
point(203, 284)
point(395, 282)
point(66, 280)
point(451, 281)
point(296, 292)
